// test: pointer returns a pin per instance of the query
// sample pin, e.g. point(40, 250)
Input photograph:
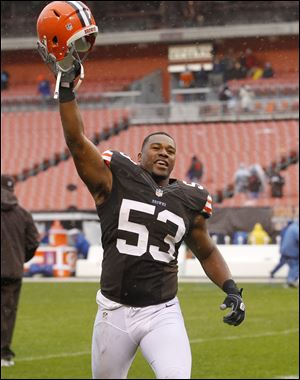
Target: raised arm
point(216, 269)
point(88, 161)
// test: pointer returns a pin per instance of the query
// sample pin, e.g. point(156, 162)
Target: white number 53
point(143, 232)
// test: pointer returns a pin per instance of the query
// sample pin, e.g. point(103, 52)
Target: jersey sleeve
point(119, 163)
point(198, 199)
point(107, 156)
point(207, 209)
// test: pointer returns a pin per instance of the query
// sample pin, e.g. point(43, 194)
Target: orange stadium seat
point(282, 84)
point(31, 137)
point(221, 146)
point(270, 107)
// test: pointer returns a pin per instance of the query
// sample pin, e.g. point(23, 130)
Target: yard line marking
point(192, 341)
point(233, 337)
point(287, 377)
point(46, 357)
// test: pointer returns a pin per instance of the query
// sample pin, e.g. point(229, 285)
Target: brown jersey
point(143, 226)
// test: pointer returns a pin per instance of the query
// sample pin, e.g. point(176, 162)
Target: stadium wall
point(244, 261)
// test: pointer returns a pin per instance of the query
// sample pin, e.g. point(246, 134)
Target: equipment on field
point(65, 29)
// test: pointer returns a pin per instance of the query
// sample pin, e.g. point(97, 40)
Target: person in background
point(254, 185)
point(44, 88)
point(277, 182)
point(78, 240)
point(227, 98)
point(268, 71)
point(246, 96)
point(258, 235)
point(290, 250)
point(257, 180)
point(19, 241)
point(256, 72)
point(4, 80)
point(241, 179)
point(195, 171)
point(249, 60)
point(186, 79)
point(283, 259)
point(201, 78)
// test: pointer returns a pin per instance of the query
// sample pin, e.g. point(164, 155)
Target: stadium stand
point(33, 148)
point(29, 138)
point(281, 85)
point(248, 142)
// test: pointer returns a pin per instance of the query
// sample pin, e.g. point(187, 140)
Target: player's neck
point(160, 181)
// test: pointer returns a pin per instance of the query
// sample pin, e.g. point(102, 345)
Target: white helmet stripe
point(82, 12)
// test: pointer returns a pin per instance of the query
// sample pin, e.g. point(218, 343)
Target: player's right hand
point(237, 314)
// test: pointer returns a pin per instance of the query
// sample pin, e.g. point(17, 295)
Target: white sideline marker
point(54, 356)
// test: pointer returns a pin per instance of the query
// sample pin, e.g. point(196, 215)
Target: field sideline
point(54, 326)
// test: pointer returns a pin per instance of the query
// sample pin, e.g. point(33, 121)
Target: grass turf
point(52, 337)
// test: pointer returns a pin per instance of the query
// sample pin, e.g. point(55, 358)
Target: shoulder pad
point(118, 162)
point(107, 156)
point(198, 198)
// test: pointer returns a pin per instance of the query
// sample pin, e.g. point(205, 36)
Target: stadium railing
point(207, 111)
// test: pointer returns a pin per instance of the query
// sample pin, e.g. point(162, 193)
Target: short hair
point(153, 134)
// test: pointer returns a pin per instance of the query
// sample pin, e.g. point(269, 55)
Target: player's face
point(158, 156)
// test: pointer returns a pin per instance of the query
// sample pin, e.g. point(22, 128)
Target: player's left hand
point(237, 314)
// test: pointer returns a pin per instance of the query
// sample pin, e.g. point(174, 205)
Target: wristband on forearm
point(66, 94)
point(230, 287)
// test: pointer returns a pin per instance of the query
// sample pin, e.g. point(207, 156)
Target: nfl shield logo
point(159, 192)
point(69, 26)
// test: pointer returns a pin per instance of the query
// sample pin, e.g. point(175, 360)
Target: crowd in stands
point(228, 67)
point(244, 65)
point(4, 80)
point(252, 180)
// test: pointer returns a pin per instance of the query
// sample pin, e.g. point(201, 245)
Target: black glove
point(235, 301)
point(66, 87)
point(69, 75)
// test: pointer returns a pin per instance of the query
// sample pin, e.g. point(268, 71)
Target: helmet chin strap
point(57, 83)
point(81, 77)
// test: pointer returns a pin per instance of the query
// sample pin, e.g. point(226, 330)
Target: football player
point(145, 215)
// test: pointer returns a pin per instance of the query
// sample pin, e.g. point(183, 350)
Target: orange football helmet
point(65, 29)
point(63, 23)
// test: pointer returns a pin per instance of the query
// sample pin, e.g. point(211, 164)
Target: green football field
point(53, 333)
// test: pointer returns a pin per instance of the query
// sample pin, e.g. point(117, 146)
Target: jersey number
point(143, 232)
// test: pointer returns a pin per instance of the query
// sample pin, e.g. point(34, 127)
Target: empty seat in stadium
point(221, 146)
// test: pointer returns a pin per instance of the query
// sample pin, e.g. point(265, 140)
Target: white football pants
point(158, 330)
